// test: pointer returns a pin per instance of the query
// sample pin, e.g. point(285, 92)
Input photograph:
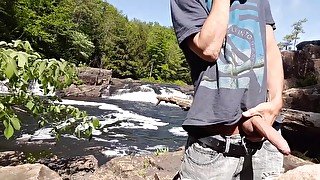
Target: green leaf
point(27, 46)
point(15, 123)
point(22, 59)
point(1, 106)
point(11, 68)
point(96, 123)
point(3, 43)
point(8, 132)
point(42, 67)
point(17, 43)
point(57, 109)
point(5, 123)
point(30, 105)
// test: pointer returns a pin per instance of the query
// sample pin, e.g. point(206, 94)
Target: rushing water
point(131, 124)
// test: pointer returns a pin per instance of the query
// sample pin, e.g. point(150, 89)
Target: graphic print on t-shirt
point(241, 60)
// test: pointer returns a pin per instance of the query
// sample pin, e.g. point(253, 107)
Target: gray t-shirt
point(237, 81)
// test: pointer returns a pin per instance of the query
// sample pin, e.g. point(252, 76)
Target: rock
point(11, 158)
point(28, 172)
point(302, 67)
point(95, 83)
point(94, 76)
point(85, 90)
point(290, 162)
point(301, 45)
point(303, 99)
point(302, 172)
point(72, 167)
point(163, 166)
point(306, 119)
point(317, 69)
point(181, 102)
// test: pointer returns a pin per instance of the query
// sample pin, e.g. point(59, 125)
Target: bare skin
point(256, 128)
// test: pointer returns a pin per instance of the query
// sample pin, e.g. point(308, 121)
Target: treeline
point(95, 33)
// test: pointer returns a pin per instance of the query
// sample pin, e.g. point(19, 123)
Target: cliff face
point(302, 98)
point(302, 67)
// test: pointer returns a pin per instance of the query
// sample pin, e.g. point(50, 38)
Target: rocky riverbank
point(156, 166)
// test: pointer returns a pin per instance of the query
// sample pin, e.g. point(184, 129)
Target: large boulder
point(11, 158)
point(309, 172)
point(162, 166)
point(301, 45)
point(291, 162)
point(72, 168)
point(303, 99)
point(28, 172)
point(95, 83)
point(94, 76)
point(302, 67)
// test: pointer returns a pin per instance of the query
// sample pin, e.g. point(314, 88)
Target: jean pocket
point(201, 156)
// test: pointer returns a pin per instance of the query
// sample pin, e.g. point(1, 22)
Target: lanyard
point(209, 4)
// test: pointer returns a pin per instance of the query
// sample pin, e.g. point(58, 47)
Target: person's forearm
point(275, 75)
point(207, 43)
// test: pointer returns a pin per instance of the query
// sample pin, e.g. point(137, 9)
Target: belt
point(235, 150)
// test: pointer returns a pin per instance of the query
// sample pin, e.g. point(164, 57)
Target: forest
point(94, 33)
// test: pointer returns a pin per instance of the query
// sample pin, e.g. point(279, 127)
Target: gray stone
point(310, 172)
point(28, 172)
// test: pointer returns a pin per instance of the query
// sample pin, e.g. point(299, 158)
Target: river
point(131, 125)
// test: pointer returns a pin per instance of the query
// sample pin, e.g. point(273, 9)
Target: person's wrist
point(276, 106)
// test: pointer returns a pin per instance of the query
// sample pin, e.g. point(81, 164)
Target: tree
point(20, 66)
point(297, 30)
point(95, 33)
point(287, 41)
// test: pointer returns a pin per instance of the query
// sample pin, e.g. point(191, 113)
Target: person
point(236, 68)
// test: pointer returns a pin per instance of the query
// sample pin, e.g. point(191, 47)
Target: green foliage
point(95, 33)
point(21, 66)
point(309, 80)
point(161, 151)
point(33, 157)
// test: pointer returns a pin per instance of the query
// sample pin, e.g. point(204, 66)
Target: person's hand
point(250, 133)
point(256, 128)
point(267, 110)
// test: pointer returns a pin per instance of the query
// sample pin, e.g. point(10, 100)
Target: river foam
point(147, 93)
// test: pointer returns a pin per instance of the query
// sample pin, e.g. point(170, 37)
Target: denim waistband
point(234, 145)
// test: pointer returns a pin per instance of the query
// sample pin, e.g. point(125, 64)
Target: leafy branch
point(20, 67)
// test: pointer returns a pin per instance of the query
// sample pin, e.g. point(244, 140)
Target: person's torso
point(237, 81)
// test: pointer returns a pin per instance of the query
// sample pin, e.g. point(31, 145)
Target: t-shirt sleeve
point(188, 17)
point(268, 15)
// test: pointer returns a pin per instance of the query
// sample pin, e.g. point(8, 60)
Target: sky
point(285, 13)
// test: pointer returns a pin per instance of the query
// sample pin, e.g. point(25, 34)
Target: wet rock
point(11, 158)
point(71, 167)
point(95, 83)
point(28, 172)
point(86, 90)
point(302, 172)
point(94, 76)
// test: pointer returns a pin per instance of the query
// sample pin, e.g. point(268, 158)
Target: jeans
point(201, 163)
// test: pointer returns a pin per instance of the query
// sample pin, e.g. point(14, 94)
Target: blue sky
point(285, 13)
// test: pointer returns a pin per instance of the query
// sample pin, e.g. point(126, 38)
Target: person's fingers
point(272, 135)
point(255, 111)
